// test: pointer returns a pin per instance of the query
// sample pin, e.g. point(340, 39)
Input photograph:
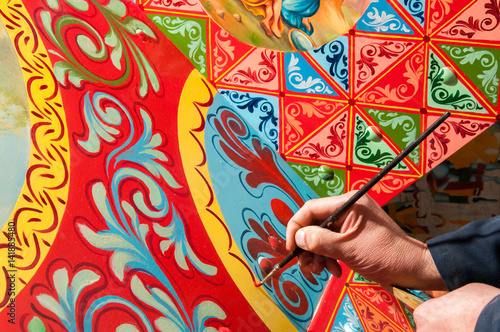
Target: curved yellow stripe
point(40, 207)
point(197, 91)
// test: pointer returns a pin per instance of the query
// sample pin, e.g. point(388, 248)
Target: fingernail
point(299, 239)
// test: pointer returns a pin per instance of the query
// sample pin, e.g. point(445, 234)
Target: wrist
point(428, 272)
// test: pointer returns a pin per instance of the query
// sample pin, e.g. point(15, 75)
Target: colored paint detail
point(326, 173)
point(256, 174)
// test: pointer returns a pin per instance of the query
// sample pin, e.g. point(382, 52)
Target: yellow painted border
point(193, 107)
point(41, 204)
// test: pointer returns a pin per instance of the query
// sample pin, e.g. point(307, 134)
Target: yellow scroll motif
point(37, 215)
point(193, 107)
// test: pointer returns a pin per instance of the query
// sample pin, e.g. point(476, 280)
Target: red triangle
point(454, 133)
point(386, 189)
point(185, 6)
point(377, 297)
point(328, 144)
point(402, 86)
point(258, 70)
point(225, 50)
point(440, 12)
point(302, 116)
point(373, 56)
point(476, 23)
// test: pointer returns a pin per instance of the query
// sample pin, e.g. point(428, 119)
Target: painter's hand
point(366, 239)
point(455, 311)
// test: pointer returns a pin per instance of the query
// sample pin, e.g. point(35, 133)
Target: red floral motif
point(439, 141)
point(333, 149)
point(260, 164)
point(264, 74)
point(178, 3)
point(368, 53)
point(472, 25)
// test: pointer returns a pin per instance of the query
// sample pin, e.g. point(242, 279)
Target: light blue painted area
point(334, 58)
point(261, 111)
point(346, 319)
point(303, 78)
point(382, 18)
point(415, 8)
point(244, 171)
point(14, 160)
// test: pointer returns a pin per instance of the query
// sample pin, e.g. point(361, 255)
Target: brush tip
point(257, 284)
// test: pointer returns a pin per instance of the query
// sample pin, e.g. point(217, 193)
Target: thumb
point(320, 241)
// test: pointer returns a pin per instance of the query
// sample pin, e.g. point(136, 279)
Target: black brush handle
point(354, 198)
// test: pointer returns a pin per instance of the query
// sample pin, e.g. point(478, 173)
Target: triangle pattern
point(445, 91)
point(334, 57)
point(454, 133)
point(402, 128)
point(188, 34)
point(359, 279)
point(177, 5)
point(301, 77)
point(258, 70)
point(385, 189)
point(225, 50)
point(480, 65)
point(260, 111)
point(328, 144)
point(370, 152)
point(380, 17)
point(301, 116)
point(476, 23)
point(404, 89)
point(346, 318)
point(385, 303)
point(441, 13)
point(416, 8)
point(373, 57)
point(324, 188)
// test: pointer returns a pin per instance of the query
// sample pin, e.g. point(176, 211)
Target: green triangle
point(324, 188)
point(446, 93)
point(360, 279)
point(188, 34)
point(402, 128)
point(480, 64)
point(372, 153)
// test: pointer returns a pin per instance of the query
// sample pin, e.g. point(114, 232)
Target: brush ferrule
point(270, 274)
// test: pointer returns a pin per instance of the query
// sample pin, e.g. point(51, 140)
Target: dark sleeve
point(489, 319)
point(470, 254)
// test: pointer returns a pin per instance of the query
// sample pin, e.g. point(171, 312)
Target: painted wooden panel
point(166, 158)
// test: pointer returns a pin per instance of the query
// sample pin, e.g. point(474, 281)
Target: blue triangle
point(301, 77)
point(382, 18)
point(415, 8)
point(347, 318)
point(260, 111)
point(334, 57)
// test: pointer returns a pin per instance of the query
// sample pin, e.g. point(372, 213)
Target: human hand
point(455, 311)
point(366, 239)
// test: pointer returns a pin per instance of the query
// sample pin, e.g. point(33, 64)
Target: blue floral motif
point(334, 56)
point(381, 17)
point(252, 167)
point(416, 8)
point(301, 77)
point(264, 107)
point(346, 319)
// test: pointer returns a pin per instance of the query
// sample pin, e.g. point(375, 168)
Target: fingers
point(313, 212)
point(320, 241)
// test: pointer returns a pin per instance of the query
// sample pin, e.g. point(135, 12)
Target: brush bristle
point(257, 284)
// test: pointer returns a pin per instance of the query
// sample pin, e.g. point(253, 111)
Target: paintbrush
point(354, 198)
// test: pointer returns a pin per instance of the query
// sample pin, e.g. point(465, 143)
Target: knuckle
point(312, 240)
